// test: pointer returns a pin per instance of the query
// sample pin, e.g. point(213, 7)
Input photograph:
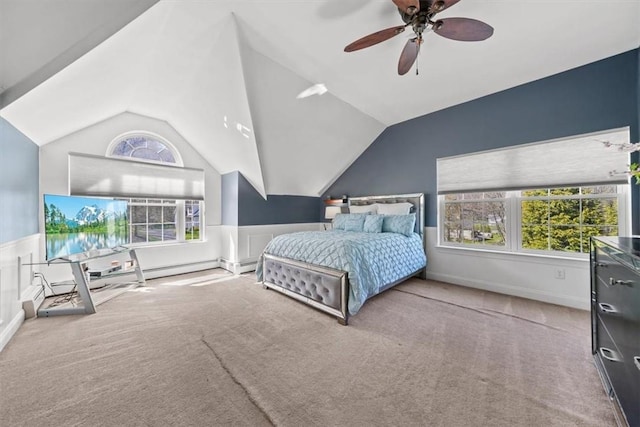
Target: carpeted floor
point(217, 350)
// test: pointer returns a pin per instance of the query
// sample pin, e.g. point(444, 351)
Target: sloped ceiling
point(39, 38)
point(225, 74)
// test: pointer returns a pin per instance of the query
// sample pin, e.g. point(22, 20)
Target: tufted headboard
point(416, 199)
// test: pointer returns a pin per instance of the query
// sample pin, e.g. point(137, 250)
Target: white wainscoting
point(243, 245)
point(256, 244)
point(252, 239)
point(15, 282)
point(527, 276)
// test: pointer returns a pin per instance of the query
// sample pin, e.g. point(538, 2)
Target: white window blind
point(108, 177)
point(578, 161)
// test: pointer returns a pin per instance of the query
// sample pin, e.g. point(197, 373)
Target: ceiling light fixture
point(316, 89)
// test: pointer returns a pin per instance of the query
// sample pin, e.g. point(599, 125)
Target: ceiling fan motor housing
point(428, 8)
point(422, 19)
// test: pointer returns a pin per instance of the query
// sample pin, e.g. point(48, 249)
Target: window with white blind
point(165, 199)
point(544, 198)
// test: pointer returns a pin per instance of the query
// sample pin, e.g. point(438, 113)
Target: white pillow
point(363, 208)
point(394, 208)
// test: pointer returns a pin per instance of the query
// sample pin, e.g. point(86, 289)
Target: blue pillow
point(341, 219)
point(354, 224)
point(373, 224)
point(402, 224)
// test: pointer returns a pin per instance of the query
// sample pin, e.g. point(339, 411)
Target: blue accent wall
point(253, 209)
point(243, 205)
point(598, 96)
point(19, 184)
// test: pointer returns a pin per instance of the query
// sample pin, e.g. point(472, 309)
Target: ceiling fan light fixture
point(437, 7)
point(410, 7)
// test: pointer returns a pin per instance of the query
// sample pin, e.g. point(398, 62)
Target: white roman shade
point(578, 161)
point(108, 177)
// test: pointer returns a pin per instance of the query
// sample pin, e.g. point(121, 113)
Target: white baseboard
point(579, 303)
point(11, 328)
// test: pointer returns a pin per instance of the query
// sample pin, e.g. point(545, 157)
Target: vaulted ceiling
point(225, 74)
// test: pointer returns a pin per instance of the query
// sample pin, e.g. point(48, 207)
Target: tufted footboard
point(324, 288)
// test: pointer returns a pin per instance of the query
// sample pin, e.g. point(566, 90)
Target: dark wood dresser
point(615, 322)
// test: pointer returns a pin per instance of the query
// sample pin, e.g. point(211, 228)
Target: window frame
point(144, 134)
point(513, 222)
point(441, 219)
point(180, 220)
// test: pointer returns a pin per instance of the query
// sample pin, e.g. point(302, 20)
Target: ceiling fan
point(419, 14)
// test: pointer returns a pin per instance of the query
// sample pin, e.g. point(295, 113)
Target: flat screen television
point(75, 225)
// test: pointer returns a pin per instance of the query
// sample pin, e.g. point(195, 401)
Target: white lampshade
point(330, 212)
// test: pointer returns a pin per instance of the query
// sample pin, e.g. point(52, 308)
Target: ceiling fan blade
point(440, 5)
point(375, 38)
point(410, 7)
point(463, 29)
point(408, 56)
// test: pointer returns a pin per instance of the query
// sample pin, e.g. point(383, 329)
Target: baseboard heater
point(243, 266)
point(170, 270)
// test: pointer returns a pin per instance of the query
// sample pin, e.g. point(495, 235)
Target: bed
point(337, 270)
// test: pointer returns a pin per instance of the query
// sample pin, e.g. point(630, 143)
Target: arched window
point(156, 220)
point(144, 146)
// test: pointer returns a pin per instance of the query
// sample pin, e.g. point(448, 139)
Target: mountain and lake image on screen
point(82, 224)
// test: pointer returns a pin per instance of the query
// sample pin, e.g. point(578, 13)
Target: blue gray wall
point(598, 96)
point(19, 191)
point(243, 205)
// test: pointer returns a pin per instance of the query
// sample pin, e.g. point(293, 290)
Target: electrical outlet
point(559, 274)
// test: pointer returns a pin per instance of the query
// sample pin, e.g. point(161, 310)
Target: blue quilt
point(372, 260)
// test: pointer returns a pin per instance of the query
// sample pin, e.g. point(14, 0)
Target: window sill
point(494, 253)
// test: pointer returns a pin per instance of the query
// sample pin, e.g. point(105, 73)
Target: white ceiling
point(225, 74)
point(40, 37)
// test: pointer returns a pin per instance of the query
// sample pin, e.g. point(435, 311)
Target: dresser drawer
point(622, 325)
point(632, 406)
point(622, 373)
point(630, 398)
point(626, 335)
point(609, 280)
point(614, 281)
point(617, 298)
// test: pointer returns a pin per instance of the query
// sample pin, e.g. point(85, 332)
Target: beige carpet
point(227, 352)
